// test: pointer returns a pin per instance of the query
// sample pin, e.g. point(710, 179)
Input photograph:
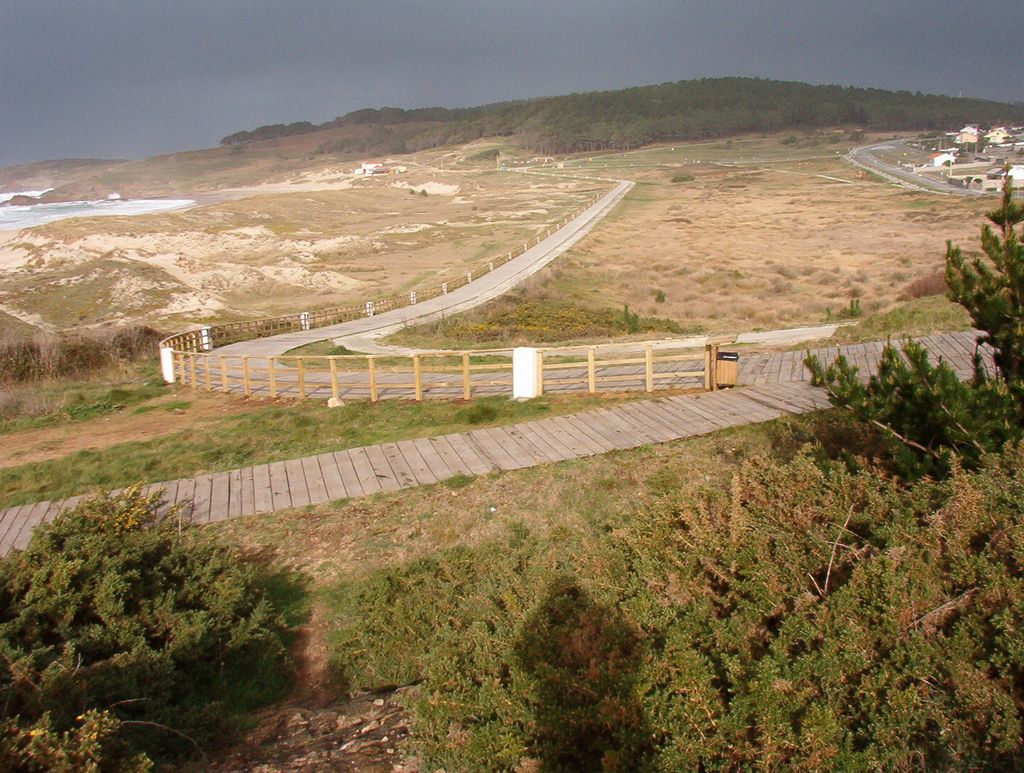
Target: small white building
point(1016, 174)
point(942, 159)
point(968, 134)
point(370, 168)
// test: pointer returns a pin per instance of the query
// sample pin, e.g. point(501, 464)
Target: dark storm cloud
point(125, 78)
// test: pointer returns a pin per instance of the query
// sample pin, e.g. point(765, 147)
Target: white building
point(370, 168)
point(968, 134)
point(943, 159)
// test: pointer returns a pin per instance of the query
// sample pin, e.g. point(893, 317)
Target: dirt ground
point(37, 445)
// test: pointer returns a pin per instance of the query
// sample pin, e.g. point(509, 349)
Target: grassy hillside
point(710, 107)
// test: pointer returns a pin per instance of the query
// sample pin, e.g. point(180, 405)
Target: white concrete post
point(167, 363)
point(524, 373)
point(304, 320)
point(444, 288)
point(369, 308)
point(412, 298)
point(469, 277)
point(490, 265)
point(526, 246)
point(204, 338)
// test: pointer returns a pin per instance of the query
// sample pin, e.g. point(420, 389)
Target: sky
point(133, 78)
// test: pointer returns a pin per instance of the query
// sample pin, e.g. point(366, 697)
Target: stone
point(335, 402)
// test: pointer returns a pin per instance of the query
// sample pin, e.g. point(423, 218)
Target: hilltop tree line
point(684, 110)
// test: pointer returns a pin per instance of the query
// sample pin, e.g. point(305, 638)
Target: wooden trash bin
point(727, 368)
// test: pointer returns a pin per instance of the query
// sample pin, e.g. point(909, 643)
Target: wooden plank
point(498, 437)
point(332, 477)
point(349, 475)
point(14, 523)
point(53, 511)
point(382, 468)
point(201, 499)
point(606, 438)
point(757, 410)
point(297, 488)
point(492, 450)
point(220, 495)
point(417, 464)
point(541, 452)
point(438, 468)
point(183, 498)
point(246, 492)
point(601, 429)
point(234, 508)
point(399, 467)
point(564, 437)
point(480, 465)
point(263, 489)
point(582, 438)
point(364, 470)
point(546, 441)
point(686, 413)
point(448, 455)
point(658, 429)
point(7, 517)
point(314, 480)
point(635, 427)
point(280, 493)
point(33, 518)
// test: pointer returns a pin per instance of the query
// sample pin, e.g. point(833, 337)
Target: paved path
point(360, 333)
point(865, 158)
point(778, 385)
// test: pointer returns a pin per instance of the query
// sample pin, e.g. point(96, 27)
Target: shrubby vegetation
point(73, 355)
point(124, 636)
point(808, 617)
point(697, 109)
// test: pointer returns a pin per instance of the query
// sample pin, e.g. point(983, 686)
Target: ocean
point(15, 218)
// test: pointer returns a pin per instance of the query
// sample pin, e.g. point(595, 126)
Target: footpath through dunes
point(777, 385)
point(481, 289)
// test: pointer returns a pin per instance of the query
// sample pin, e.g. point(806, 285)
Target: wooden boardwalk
point(778, 385)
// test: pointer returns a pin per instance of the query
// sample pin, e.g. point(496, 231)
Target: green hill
point(696, 109)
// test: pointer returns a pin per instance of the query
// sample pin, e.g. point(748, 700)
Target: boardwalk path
point(777, 386)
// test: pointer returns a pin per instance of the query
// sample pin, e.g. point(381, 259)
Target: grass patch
point(325, 348)
point(919, 317)
point(524, 317)
point(269, 433)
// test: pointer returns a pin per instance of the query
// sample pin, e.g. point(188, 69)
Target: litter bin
point(727, 368)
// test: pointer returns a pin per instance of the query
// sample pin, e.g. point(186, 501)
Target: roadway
point(865, 157)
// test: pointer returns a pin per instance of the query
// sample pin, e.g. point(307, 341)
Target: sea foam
point(27, 216)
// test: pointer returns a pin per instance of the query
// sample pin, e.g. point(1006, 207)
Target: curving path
point(361, 333)
point(865, 158)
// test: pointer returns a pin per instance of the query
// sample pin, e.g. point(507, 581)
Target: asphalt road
point(865, 157)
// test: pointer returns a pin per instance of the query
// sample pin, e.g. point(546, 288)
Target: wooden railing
point(647, 366)
point(211, 336)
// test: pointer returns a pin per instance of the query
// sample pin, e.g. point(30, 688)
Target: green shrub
point(803, 620)
point(682, 178)
point(158, 626)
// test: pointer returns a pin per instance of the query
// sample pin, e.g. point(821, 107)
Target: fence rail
point(647, 366)
point(211, 336)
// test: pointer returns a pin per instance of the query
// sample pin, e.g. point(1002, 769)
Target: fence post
point(465, 375)
point(714, 367)
point(412, 298)
point(167, 364)
point(192, 370)
point(205, 340)
point(417, 384)
point(444, 288)
point(272, 376)
point(372, 368)
point(490, 265)
point(525, 378)
point(591, 373)
point(224, 387)
point(304, 320)
point(648, 369)
point(301, 372)
point(334, 378)
point(469, 277)
point(245, 377)
point(707, 367)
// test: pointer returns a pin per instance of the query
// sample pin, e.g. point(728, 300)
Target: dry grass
point(759, 245)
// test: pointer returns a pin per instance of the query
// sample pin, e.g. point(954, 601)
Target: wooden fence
point(647, 366)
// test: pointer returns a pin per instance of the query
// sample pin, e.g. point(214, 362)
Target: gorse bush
point(802, 619)
point(73, 355)
point(162, 630)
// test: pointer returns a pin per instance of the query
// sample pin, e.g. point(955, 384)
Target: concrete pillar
point(369, 308)
point(444, 288)
point(412, 298)
point(490, 266)
point(304, 320)
point(524, 373)
point(205, 341)
point(167, 363)
point(469, 277)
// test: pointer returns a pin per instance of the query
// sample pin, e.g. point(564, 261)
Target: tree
point(927, 416)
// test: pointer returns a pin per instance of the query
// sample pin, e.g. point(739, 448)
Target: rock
point(21, 201)
point(335, 402)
